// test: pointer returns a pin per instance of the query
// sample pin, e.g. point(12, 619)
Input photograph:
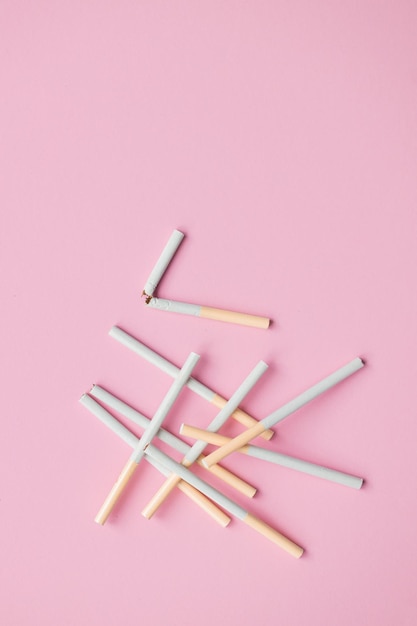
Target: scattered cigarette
point(169, 368)
point(276, 457)
point(283, 412)
point(194, 453)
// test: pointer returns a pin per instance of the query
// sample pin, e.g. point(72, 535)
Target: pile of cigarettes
point(179, 474)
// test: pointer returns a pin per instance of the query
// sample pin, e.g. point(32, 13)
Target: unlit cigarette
point(169, 368)
point(283, 412)
point(149, 433)
point(175, 442)
point(276, 457)
point(222, 315)
point(194, 453)
point(132, 440)
point(225, 502)
point(162, 263)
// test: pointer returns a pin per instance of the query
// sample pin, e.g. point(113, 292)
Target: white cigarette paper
point(132, 440)
point(173, 306)
point(162, 263)
point(348, 480)
point(169, 368)
point(283, 412)
point(194, 453)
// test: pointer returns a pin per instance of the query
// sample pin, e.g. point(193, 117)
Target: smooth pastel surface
point(281, 138)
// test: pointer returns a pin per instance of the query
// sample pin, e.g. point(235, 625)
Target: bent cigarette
point(208, 312)
point(283, 412)
point(175, 442)
point(149, 433)
point(225, 502)
point(132, 440)
point(276, 457)
point(162, 263)
point(169, 368)
point(197, 449)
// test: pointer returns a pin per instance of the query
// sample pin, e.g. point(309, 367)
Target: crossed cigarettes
point(186, 308)
point(149, 433)
point(179, 475)
point(283, 412)
point(172, 370)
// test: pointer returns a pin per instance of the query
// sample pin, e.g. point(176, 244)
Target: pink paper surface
point(281, 138)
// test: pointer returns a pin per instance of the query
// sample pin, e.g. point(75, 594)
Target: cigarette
point(283, 412)
point(276, 457)
point(162, 263)
point(164, 435)
point(191, 309)
point(198, 310)
point(169, 368)
point(197, 449)
point(225, 503)
point(132, 440)
point(149, 433)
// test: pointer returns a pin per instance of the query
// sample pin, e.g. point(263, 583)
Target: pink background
point(281, 138)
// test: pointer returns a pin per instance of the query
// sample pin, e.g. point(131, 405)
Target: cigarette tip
point(363, 360)
point(148, 298)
